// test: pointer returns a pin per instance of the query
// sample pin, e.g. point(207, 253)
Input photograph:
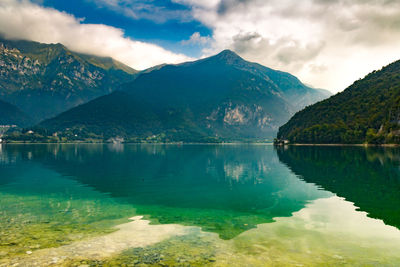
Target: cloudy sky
point(326, 43)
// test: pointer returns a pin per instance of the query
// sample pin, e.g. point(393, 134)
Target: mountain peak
point(227, 52)
point(228, 56)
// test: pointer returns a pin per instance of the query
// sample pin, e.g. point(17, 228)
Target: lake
point(196, 205)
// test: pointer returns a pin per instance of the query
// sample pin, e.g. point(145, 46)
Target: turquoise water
point(70, 205)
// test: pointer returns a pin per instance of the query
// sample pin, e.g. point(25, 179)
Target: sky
point(326, 43)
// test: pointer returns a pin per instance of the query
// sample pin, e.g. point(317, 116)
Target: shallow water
point(70, 205)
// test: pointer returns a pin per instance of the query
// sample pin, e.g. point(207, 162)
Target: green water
point(206, 204)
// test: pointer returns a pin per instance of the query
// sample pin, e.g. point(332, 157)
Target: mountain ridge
point(47, 79)
point(222, 97)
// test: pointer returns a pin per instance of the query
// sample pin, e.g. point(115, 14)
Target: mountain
point(366, 112)
point(44, 80)
point(12, 115)
point(222, 97)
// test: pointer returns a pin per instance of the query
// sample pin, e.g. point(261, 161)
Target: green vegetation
point(366, 112)
point(12, 115)
point(221, 98)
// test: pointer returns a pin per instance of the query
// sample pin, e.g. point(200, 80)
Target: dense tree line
point(366, 112)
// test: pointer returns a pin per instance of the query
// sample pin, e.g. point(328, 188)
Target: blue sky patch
point(166, 25)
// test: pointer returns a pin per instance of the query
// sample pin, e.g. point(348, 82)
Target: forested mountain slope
point(366, 112)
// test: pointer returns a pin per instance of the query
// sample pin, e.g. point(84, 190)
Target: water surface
point(201, 205)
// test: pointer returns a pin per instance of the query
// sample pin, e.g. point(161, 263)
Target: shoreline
point(358, 145)
point(105, 143)
point(199, 143)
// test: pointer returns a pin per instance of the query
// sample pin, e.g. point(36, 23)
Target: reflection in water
point(369, 177)
point(59, 202)
point(223, 189)
point(328, 232)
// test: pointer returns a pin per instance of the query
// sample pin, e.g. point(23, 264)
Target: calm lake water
point(196, 205)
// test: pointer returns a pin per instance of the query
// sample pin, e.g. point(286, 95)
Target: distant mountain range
point(44, 80)
point(222, 97)
point(366, 112)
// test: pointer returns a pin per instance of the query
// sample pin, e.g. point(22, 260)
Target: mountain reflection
point(369, 177)
point(223, 189)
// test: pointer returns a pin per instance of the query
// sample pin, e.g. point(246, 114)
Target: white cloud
point(26, 20)
point(208, 4)
point(197, 39)
point(326, 43)
point(144, 9)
